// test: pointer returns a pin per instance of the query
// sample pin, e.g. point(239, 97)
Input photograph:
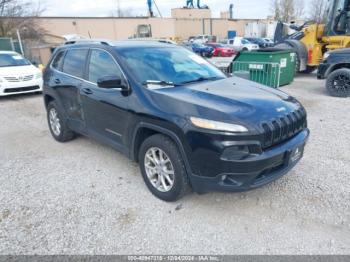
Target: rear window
point(74, 62)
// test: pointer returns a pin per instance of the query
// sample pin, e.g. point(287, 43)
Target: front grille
point(281, 129)
point(15, 79)
point(21, 89)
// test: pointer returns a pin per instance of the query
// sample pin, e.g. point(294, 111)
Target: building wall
point(111, 28)
point(190, 13)
point(183, 24)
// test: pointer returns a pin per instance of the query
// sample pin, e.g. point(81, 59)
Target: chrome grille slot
point(19, 79)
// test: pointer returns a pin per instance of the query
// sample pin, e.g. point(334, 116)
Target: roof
point(118, 44)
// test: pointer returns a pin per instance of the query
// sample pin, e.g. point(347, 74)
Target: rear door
point(105, 110)
point(67, 81)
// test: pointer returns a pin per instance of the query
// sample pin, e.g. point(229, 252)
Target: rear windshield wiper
point(202, 79)
point(159, 83)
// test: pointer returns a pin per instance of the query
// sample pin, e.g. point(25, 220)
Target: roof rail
point(89, 41)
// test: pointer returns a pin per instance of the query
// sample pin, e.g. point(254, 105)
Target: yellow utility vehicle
point(312, 40)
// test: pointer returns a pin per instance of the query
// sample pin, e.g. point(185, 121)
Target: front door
point(105, 110)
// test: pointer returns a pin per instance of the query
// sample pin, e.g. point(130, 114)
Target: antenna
point(118, 8)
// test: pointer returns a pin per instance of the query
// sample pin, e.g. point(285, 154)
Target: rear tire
point(163, 168)
point(338, 83)
point(57, 124)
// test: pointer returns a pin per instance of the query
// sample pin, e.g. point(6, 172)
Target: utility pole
point(154, 1)
point(20, 42)
point(118, 8)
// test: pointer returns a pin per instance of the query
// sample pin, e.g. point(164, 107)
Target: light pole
point(20, 42)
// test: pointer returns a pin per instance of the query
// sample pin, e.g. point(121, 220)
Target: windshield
point(12, 59)
point(245, 42)
point(170, 64)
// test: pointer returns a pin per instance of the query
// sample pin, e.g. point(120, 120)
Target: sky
point(242, 9)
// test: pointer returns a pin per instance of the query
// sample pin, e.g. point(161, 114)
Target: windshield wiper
point(159, 83)
point(201, 79)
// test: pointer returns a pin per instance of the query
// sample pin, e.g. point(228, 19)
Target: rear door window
point(74, 62)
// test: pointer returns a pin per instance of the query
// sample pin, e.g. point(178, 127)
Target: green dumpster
point(271, 67)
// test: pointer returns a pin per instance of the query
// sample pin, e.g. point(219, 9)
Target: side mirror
point(110, 82)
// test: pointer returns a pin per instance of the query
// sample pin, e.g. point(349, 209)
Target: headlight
point(219, 126)
point(38, 75)
point(326, 55)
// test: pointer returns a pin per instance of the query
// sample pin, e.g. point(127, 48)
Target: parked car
point(241, 44)
point(185, 123)
point(258, 41)
point(335, 67)
point(269, 41)
point(221, 50)
point(18, 75)
point(202, 39)
point(202, 50)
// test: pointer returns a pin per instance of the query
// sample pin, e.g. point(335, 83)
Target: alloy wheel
point(54, 122)
point(159, 169)
point(341, 84)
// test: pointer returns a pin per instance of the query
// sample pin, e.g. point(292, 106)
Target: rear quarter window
point(58, 61)
point(74, 62)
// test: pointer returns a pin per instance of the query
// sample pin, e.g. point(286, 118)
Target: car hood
point(18, 70)
point(233, 100)
point(340, 51)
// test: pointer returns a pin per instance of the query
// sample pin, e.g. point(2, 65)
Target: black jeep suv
point(335, 67)
point(184, 122)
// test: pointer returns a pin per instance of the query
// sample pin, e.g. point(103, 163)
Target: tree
point(287, 10)
point(299, 11)
point(16, 15)
point(275, 9)
point(318, 11)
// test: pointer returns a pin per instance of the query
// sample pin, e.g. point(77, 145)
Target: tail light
point(309, 56)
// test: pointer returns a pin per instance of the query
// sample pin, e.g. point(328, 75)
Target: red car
point(222, 50)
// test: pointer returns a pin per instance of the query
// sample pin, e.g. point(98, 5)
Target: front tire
point(338, 83)
point(57, 124)
point(163, 168)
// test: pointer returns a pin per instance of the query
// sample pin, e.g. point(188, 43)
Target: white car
point(201, 39)
point(241, 44)
point(18, 75)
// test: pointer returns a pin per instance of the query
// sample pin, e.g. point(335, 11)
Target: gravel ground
point(85, 198)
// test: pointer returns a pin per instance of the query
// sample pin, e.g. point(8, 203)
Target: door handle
point(87, 91)
point(57, 81)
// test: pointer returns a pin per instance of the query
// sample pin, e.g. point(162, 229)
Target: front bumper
point(11, 88)
point(255, 171)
